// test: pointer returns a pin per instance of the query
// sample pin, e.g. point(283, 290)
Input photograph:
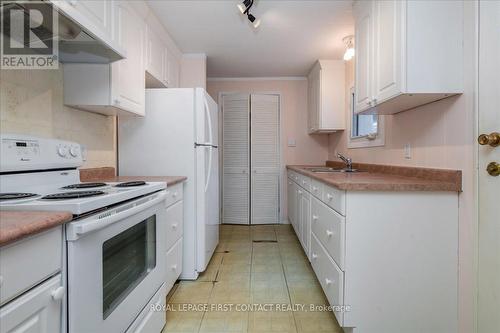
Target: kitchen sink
point(330, 170)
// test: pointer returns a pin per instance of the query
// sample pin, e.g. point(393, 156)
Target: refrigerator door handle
point(209, 168)
point(205, 144)
point(209, 118)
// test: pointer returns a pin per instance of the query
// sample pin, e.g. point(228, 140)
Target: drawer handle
point(329, 233)
point(328, 282)
point(174, 226)
point(174, 267)
point(315, 217)
point(58, 293)
point(314, 256)
point(329, 196)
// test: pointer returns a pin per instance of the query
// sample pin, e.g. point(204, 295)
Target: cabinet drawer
point(28, 262)
point(317, 189)
point(174, 264)
point(329, 275)
point(174, 193)
point(38, 310)
point(329, 227)
point(334, 198)
point(305, 182)
point(174, 218)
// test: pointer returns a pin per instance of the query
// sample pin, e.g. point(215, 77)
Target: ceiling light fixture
point(245, 10)
point(349, 47)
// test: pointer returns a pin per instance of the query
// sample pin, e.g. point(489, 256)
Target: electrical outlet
point(292, 142)
point(407, 149)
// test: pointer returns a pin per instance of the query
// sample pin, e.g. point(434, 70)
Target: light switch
point(292, 142)
point(407, 149)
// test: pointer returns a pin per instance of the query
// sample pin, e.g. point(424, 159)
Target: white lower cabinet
point(175, 221)
point(385, 260)
point(38, 310)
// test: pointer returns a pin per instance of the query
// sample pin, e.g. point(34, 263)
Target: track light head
point(251, 18)
point(245, 6)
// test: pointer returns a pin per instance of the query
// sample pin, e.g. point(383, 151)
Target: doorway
point(488, 319)
point(250, 158)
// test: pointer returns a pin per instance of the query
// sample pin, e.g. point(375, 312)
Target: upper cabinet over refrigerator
point(408, 53)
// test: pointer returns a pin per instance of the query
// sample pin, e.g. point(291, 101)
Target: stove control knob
point(62, 151)
point(74, 151)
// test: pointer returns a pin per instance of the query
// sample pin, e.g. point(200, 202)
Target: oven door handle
point(77, 229)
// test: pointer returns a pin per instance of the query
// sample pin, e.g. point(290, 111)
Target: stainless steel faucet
point(347, 161)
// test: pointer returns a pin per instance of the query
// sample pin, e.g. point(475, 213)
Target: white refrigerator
point(179, 137)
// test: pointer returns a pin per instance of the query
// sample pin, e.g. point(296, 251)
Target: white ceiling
point(292, 35)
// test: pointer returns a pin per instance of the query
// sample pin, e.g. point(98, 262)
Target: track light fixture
point(245, 10)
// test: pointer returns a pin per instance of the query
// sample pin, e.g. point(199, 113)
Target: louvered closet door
point(236, 146)
point(265, 159)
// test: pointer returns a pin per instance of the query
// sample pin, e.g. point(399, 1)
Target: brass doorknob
point(492, 139)
point(493, 169)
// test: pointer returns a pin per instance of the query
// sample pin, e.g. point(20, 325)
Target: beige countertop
point(430, 180)
point(15, 225)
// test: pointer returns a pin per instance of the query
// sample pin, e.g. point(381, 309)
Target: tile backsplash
point(31, 102)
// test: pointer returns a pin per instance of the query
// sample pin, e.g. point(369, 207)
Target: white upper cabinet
point(326, 97)
point(363, 59)
point(162, 66)
point(94, 16)
point(117, 88)
point(408, 53)
point(128, 87)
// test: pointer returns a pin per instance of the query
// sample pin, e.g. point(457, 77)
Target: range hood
point(76, 44)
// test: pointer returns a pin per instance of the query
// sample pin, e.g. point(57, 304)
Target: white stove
point(26, 184)
point(116, 243)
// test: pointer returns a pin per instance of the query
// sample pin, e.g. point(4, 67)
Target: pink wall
point(309, 149)
point(442, 135)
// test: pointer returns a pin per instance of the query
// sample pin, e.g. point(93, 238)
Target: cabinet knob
point(493, 169)
point(328, 282)
point(329, 233)
point(492, 139)
point(315, 217)
point(58, 293)
point(117, 102)
point(315, 188)
point(374, 100)
point(174, 267)
point(314, 256)
point(174, 226)
point(174, 194)
point(299, 191)
point(329, 196)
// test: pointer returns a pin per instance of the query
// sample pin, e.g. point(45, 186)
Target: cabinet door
point(363, 59)
point(173, 71)
point(387, 55)
point(154, 55)
point(314, 98)
point(305, 218)
point(38, 310)
point(290, 200)
point(128, 75)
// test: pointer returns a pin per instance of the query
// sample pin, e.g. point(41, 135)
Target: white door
point(364, 45)
point(265, 159)
point(387, 49)
point(236, 159)
point(488, 318)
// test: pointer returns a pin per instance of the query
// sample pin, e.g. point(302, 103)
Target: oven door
point(115, 264)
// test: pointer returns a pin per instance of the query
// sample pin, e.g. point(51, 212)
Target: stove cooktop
point(77, 198)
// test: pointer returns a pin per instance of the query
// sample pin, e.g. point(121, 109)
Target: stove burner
point(131, 184)
point(72, 195)
point(83, 185)
point(13, 196)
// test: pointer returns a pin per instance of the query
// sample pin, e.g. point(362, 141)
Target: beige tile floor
point(246, 271)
